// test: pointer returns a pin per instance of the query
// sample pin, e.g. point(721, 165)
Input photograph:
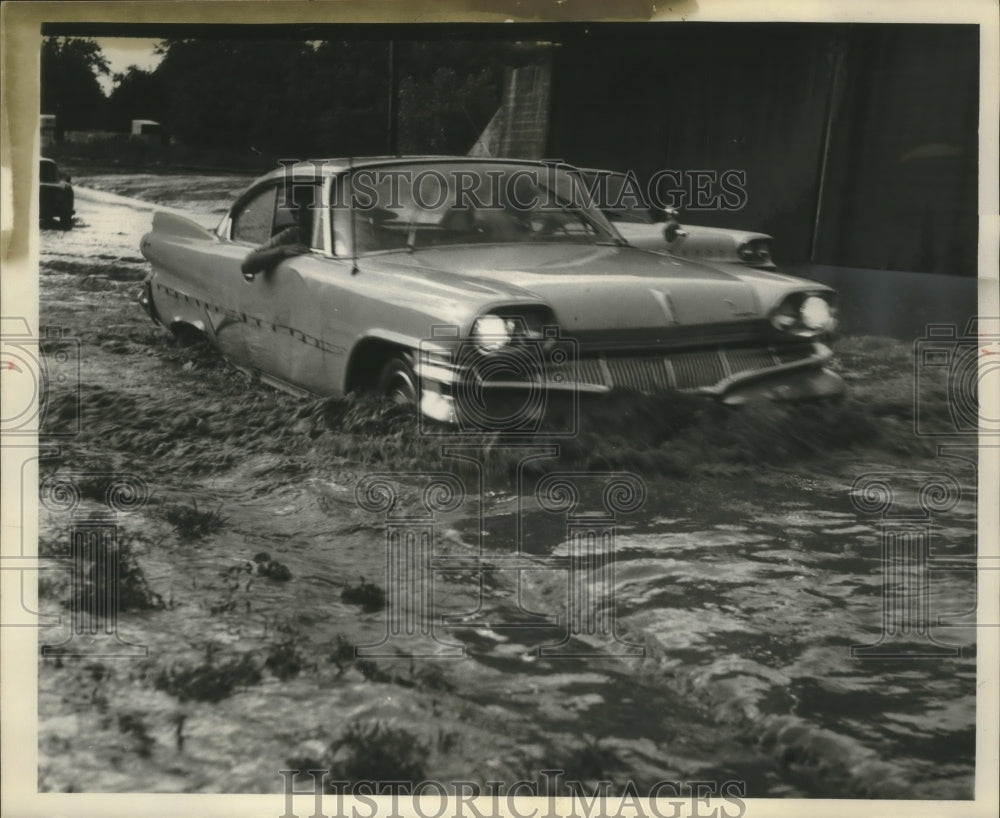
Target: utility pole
point(392, 125)
point(836, 58)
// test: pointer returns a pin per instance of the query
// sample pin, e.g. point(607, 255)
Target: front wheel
point(398, 382)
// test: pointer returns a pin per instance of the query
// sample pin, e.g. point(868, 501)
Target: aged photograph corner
point(541, 408)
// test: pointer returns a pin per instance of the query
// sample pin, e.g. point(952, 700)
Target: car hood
point(588, 287)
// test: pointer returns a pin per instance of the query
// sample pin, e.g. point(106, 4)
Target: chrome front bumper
point(731, 375)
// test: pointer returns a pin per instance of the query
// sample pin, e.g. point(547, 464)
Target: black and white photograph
point(478, 409)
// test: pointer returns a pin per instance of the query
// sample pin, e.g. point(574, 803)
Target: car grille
point(685, 370)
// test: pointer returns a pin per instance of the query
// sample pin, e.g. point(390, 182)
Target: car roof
point(309, 169)
point(604, 171)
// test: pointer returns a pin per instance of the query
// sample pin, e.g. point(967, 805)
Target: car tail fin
point(180, 226)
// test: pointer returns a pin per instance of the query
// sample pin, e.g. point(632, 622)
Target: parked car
point(55, 195)
point(643, 225)
point(416, 290)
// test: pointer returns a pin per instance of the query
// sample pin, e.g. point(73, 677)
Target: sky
point(121, 52)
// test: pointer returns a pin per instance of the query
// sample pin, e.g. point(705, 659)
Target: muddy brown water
point(743, 580)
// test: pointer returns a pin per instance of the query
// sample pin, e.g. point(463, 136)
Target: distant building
point(146, 128)
point(47, 128)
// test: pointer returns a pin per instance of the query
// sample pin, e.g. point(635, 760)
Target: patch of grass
point(134, 593)
point(586, 762)
point(371, 671)
point(271, 568)
point(591, 762)
point(191, 522)
point(209, 682)
point(378, 751)
point(95, 484)
point(431, 677)
point(423, 677)
point(343, 652)
point(368, 595)
point(133, 726)
point(94, 593)
point(284, 660)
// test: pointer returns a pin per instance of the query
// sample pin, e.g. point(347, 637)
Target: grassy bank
point(124, 155)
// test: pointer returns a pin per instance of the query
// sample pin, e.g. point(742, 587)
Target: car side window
point(340, 228)
point(252, 221)
point(289, 203)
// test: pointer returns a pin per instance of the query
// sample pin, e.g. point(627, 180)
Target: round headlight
point(756, 252)
point(815, 313)
point(491, 332)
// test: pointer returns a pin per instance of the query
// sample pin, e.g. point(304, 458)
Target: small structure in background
point(47, 129)
point(520, 127)
point(147, 129)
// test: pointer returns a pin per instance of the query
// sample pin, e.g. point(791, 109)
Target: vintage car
point(55, 195)
point(450, 282)
point(643, 225)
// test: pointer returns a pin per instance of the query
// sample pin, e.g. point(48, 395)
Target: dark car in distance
point(55, 195)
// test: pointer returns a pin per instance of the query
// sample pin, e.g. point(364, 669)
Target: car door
point(294, 329)
point(251, 226)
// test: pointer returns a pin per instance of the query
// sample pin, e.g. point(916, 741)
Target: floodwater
point(711, 639)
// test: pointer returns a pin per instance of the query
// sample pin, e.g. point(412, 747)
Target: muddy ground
point(251, 575)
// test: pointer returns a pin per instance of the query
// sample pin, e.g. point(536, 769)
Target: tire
point(187, 335)
point(66, 221)
point(398, 382)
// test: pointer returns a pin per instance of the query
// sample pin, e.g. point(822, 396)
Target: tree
point(70, 89)
point(288, 98)
point(136, 94)
point(237, 94)
point(448, 92)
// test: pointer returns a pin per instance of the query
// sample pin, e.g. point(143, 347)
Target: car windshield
point(399, 207)
point(618, 197)
point(48, 172)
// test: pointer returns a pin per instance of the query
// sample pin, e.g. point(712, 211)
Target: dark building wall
point(903, 169)
point(881, 118)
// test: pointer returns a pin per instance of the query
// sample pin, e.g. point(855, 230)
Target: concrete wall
point(892, 303)
point(859, 142)
point(520, 127)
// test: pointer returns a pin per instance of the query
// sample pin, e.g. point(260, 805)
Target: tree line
point(285, 97)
